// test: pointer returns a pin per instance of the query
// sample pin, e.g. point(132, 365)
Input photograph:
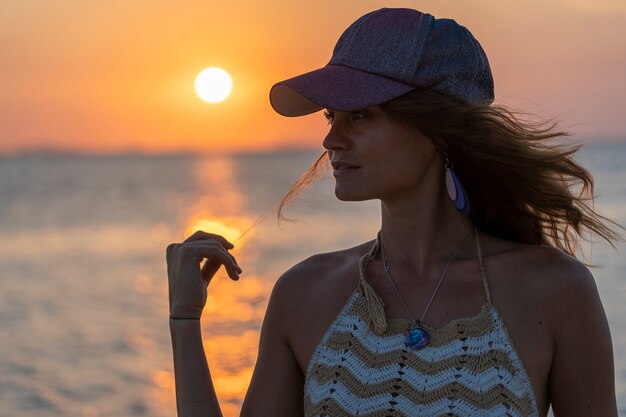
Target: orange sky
point(118, 75)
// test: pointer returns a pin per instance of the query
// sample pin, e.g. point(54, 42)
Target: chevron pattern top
point(469, 368)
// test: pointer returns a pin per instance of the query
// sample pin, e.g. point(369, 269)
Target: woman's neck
point(420, 237)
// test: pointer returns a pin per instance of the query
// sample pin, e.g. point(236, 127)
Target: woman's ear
point(441, 150)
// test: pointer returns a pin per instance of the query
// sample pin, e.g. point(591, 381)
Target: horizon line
point(182, 153)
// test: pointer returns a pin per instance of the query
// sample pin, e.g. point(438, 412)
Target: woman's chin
point(350, 195)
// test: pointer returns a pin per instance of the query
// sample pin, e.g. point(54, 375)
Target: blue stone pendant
point(417, 338)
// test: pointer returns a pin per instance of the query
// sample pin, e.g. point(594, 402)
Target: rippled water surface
point(83, 297)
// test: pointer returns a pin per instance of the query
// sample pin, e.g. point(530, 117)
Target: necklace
point(417, 337)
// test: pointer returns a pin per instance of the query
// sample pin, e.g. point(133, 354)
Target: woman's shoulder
point(543, 273)
point(546, 264)
point(325, 272)
point(564, 279)
point(310, 293)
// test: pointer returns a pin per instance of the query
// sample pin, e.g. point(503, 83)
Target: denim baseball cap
point(385, 54)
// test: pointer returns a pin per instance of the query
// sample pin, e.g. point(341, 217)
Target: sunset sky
point(118, 76)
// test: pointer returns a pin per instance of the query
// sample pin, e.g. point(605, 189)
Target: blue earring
point(456, 191)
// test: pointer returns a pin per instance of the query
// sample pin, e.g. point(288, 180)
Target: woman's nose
point(335, 139)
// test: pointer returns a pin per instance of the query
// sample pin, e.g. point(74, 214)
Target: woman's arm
point(188, 286)
point(277, 383)
point(276, 389)
point(195, 395)
point(582, 377)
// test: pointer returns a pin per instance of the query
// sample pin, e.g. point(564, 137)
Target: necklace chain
point(386, 269)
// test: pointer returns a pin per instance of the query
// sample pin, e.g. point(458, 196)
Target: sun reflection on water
point(221, 209)
point(232, 320)
point(163, 379)
point(234, 310)
point(243, 301)
point(226, 227)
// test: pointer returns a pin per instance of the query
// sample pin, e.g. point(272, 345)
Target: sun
point(213, 85)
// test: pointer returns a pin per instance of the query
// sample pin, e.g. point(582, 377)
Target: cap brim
point(334, 87)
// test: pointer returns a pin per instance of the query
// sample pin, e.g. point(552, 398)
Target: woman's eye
point(354, 115)
point(357, 115)
point(330, 116)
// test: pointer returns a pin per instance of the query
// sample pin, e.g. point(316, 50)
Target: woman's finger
point(217, 246)
point(209, 269)
point(215, 256)
point(201, 235)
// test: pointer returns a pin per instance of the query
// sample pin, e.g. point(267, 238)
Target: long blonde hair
point(521, 183)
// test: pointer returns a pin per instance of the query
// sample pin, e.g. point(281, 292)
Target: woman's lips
point(344, 170)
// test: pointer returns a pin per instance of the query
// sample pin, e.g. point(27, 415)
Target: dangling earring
point(456, 191)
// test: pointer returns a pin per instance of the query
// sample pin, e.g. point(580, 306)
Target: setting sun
point(213, 85)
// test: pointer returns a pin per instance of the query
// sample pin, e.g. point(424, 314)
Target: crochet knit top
point(362, 367)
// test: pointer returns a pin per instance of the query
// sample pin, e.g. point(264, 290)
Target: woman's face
point(376, 157)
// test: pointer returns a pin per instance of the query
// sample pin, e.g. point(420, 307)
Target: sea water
point(83, 294)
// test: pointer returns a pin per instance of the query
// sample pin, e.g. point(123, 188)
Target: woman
point(469, 302)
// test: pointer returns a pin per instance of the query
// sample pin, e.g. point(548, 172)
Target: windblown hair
point(523, 185)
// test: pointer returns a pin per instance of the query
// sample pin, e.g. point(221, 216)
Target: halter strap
point(375, 305)
point(482, 266)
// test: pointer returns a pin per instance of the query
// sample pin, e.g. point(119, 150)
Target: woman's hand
point(187, 282)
